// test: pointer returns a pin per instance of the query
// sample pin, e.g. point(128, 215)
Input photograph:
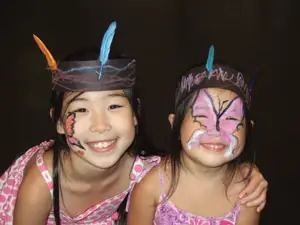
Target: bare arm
point(248, 216)
point(255, 192)
point(34, 201)
point(144, 199)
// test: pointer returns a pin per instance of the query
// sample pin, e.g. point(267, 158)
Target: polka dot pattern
point(10, 182)
point(103, 213)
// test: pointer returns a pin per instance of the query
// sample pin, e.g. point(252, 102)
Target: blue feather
point(105, 45)
point(210, 60)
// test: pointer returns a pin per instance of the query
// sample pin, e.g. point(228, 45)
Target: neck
point(77, 168)
point(203, 172)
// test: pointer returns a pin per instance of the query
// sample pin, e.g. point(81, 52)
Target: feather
point(51, 61)
point(210, 60)
point(105, 45)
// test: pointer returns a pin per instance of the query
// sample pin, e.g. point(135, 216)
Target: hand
point(255, 192)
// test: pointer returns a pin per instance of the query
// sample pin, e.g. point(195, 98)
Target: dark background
point(166, 37)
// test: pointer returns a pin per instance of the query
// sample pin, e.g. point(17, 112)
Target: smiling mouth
point(102, 146)
point(217, 147)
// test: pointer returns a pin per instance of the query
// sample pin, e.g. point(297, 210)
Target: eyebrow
point(77, 99)
point(109, 95)
point(117, 95)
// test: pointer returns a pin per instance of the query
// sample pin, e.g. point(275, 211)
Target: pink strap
point(161, 180)
point(163, 196)
point(44, 171)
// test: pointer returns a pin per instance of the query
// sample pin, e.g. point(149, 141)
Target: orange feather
point(51, 61)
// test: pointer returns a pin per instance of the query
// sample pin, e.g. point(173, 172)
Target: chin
point(103, 164)
point(211, 160)
point(215, 164)
point(106, 162)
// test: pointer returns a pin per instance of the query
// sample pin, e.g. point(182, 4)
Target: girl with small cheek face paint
point(202, 178)
point(86, 173)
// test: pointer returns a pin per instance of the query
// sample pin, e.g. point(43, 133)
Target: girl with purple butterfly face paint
point(215, 126)
point(201, 179)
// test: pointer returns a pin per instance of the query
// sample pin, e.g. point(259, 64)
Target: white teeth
point(214, 146)
point(103, 144)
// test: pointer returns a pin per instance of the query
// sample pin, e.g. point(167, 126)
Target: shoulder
point(144, 199)
point(33, 182)
point(22, 167)
point(149, 185)
point(33, 194)
point(143, 165)
point(34, 190)
point(43, 158)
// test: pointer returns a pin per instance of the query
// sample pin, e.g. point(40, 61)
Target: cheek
point(124, 124)
point(69, 124)
point(240, 134)
point(229, 126)
point(78, 127)
point(188, 128)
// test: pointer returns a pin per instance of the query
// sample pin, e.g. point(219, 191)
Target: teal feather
point(105, 45)
point(210, 60)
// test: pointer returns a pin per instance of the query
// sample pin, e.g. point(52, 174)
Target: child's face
point(213, 130)
point(99, 126)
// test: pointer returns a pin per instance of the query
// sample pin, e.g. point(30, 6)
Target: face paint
point(80, 152)
point(194, 141)
point(221, 123)
point(69, 126)
point(232, 145)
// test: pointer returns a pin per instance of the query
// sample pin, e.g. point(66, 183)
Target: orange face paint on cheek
point(69, 126)
point(81, 153)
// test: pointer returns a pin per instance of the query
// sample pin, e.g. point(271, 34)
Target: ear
point(59, 127)
point(51, 112)
point(135, 120)
point(171, 119)
point(252, 123)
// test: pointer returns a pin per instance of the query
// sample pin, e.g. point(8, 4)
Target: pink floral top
point(167, 213)
point(103, 213)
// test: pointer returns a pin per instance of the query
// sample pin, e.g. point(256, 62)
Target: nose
point(214, 130)
point(213, 133)
point(100, 123)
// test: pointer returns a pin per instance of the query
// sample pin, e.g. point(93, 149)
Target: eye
point(80, 110)
point(232, 118)
point(201, 116)
point(114, 106)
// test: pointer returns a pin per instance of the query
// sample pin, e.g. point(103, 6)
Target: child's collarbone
point(75, 201)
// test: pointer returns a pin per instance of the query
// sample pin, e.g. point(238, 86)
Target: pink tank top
point(104, 213)
point(167, 213)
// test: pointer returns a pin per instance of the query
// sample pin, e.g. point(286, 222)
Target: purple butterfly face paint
point(218, 122)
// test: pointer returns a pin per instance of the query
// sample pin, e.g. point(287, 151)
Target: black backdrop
point(166, 37)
